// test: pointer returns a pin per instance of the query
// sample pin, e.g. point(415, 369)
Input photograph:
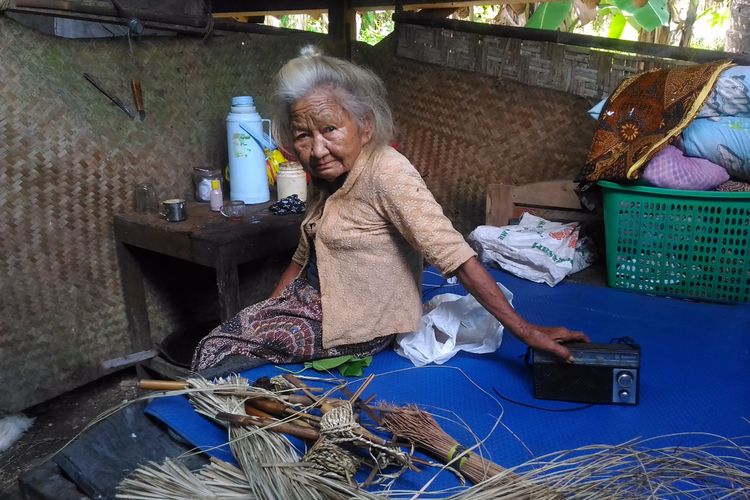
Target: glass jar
point(290, 180)
point(202, 178)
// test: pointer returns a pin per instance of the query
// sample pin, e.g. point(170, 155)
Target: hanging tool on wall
point(135, 86)
point(135, 27)
point(134, 24)
point(93, 81)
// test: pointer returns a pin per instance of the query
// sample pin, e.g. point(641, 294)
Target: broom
point(419, 428)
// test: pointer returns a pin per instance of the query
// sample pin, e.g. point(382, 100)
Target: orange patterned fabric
point(643, 115)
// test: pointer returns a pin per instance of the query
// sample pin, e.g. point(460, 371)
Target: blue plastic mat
point(695, 371)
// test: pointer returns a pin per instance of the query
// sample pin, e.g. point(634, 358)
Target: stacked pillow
point(716, 144)
point(721, 130)
point(670, 168)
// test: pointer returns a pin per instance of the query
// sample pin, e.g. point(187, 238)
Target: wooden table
point(206, 238)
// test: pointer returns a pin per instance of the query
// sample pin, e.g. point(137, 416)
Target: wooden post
point(341, 25)
point(227, 285)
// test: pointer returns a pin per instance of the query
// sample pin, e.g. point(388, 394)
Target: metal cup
point(173, 209)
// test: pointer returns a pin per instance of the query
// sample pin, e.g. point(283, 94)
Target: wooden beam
point(416, 5)
point(437, 13)
point(128, 360)
point(87, 10)
point(235, 8)
point(564, 38)
point(263, 13)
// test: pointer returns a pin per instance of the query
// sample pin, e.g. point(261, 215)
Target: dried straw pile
point(710, 467)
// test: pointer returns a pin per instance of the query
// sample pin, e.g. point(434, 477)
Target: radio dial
point(624, 395)
point(625, 379)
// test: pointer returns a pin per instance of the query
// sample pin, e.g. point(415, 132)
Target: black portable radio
point(602, 373)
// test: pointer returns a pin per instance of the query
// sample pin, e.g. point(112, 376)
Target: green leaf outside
point(650, 16)
point(617, 26)
point(550, 15)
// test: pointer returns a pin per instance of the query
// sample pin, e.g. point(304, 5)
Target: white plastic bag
point(452, 323)
point(536, 249)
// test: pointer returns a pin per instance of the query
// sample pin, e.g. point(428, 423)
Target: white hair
point(358, 90)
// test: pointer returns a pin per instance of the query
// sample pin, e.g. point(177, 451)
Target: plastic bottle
point(248, 180)
point(290, 180)
point(215, 198)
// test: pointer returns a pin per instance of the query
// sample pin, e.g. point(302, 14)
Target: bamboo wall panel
point(464, 130)
point(580, 71)
point(69, 161)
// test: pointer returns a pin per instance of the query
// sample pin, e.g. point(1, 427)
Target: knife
point(135, 86)
point(93, 81)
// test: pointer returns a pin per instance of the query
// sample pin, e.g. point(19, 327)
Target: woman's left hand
point(550, 338)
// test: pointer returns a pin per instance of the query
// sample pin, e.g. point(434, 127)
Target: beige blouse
point(370, 238)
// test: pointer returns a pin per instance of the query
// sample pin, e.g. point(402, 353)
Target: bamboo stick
point(162, 385)
point(270, 424)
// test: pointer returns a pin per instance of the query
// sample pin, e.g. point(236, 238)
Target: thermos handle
point(262, 121)
point(264, 141)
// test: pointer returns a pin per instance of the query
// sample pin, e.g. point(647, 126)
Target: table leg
point(134, 294)
point(228, 286)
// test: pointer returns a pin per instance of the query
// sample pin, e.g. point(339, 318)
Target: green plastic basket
point(691, 244)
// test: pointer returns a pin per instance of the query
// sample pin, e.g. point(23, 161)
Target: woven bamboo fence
point(464, 130)
point(576, 70)
point(69, 160)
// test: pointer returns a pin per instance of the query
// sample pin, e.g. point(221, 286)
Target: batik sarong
point(284, 329)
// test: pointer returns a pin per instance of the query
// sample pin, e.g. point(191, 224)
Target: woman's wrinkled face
point(327, 140)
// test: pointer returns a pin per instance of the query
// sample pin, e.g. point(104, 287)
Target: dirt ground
point(58, 421)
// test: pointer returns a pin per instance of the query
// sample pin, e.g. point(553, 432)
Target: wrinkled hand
point(549, 338)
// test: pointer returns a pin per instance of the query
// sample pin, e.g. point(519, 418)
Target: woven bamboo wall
point(69, 160)
point(576, 70)
point(464, 130)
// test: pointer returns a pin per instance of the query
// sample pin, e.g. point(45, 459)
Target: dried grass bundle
point(258, 451)
point(719, 468)
point(173, 480)
point(220, 480)
point(419, 428)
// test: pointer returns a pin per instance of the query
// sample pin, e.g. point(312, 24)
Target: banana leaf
point(550, 15)
point(650, 16)
point(617, 26)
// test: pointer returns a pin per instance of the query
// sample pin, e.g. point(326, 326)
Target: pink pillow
point(670, 168)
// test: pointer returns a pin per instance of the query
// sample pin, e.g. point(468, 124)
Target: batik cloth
point(284, 329)
point(643, 115)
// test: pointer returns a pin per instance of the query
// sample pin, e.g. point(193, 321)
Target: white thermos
point(248, 180)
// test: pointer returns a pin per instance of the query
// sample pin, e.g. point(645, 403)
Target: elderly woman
point(354, 281)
